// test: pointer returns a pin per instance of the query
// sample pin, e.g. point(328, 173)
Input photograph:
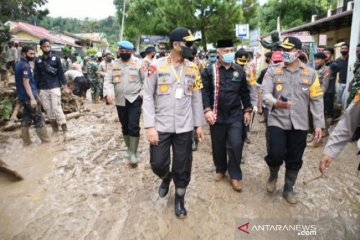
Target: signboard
point(322, 39)
point(242, 30)
point(153, 39)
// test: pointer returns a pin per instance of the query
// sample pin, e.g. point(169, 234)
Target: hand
point(200, 134)
point(210, 117)
point(318, 134)
point(247, 118)
point(33, 103)
point(152, 136)
point(110, 99)
point(325, 163)
point(282, 104)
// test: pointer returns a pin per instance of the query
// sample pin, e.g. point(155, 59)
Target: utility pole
point(122, 21)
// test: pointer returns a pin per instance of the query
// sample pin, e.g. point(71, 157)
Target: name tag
point(179, 93)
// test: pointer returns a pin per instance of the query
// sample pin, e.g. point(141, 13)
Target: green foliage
point(214, 18)
point(91, 51)
point(21, 9)
point(6, 107)
point(292, 12)
point(66, 51)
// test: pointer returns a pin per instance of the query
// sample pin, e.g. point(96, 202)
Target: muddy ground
point(84, 189)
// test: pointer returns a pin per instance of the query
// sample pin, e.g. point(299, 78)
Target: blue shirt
point(23, 70)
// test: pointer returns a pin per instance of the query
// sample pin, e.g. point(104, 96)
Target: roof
point(38, 32)
point(326, 24)
point(94, 37)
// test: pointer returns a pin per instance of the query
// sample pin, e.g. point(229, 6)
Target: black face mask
point(125, 56)
point(186, 53)
point(267, 61)
point(344, 53)
point(358, 56)
point(46, 53)
point(108, 60)
point(29, 59)
point(317, 67)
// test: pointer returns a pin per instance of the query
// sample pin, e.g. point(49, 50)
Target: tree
point(214, 18)
point(22, 9)
point(291, 12)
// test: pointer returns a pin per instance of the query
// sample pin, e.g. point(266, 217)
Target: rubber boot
point(127, 143)
point(43, 134)
point(180, 210)
point(25, 135)
point(271, 183)
point(64, 129)
point(54, 126)
point(134, 143)
point(164, 186)
point(290, 179)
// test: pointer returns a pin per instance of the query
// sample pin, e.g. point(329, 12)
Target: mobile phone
point(284, 99)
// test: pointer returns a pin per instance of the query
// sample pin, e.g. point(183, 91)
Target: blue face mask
point(228, 58)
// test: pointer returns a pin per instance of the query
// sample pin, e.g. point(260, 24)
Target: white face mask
point(290, 57)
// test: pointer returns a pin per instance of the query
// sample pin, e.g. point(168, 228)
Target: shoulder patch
point(151, 70)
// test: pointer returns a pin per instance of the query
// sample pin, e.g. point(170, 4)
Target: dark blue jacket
point(49, 73)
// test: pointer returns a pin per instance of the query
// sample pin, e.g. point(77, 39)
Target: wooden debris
point(4, 168)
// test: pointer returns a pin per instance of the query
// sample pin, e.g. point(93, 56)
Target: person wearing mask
point(105, 65)
point(172, 109)
point(27, 93)
point(150, 53)
point(290, 91)
point(342, 68)
point(122, 86)
point(49, 76)
point(227, 108)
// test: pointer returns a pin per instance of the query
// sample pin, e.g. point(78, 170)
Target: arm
point(206, 91)
point(317, 103)
point(267, 89)
point(197, 105)
point(343, 131)
point(61, 75)
point(108, 88)
point(148, 99)
point(245, 93)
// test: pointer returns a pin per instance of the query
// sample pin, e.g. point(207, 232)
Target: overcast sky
point(81, 9)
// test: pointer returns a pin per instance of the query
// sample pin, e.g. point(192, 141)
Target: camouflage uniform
point(95, 87)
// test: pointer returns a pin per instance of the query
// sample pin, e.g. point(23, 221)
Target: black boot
point(290, 179)
point(271, 183)
point(64, 129)
point(164, 186)
point(180, 210)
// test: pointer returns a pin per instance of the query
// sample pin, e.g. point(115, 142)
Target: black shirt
point(233, 93)
point(342, 67)
point(49, 73)
point(261, 76)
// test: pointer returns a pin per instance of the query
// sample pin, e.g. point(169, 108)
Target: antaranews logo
point(269, 227)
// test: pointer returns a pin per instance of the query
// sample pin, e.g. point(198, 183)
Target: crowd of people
point(178, 92)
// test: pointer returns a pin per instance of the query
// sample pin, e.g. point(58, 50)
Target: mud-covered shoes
point(164, 186)
point(180, 210)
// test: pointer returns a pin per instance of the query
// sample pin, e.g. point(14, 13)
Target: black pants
point(329, 105)
point(129, 117)
point(227, 141)
point(32, 116)
point(288, 146)
point(267, 135)
point(182, 157)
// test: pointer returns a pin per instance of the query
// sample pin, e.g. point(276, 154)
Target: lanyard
point(177, 77)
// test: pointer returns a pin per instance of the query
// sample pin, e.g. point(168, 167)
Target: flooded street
point(85, 189)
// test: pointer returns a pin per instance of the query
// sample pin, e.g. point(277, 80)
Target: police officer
point(49, 76)
point(91, 69)
point(122, 86)
point(28, 95)
point(172, 108)
point(150, 53)
point(225, 92)
point(290, 90)
point(342, 133)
